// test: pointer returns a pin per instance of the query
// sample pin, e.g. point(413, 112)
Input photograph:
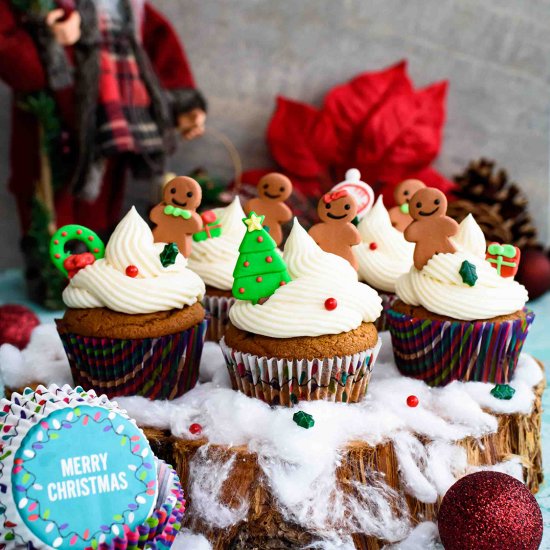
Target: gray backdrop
point(496, 54)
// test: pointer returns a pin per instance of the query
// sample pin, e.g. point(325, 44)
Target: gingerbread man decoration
point(399, 215)
point(336, 234)
point(431, 228)
point(273, 190)
point(176, 217)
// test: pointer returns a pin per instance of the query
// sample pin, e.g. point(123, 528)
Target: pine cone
point(498, 205)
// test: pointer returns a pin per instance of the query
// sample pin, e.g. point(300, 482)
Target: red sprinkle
point(56, 241)
point(331, 304)
point(269, 259)
point(259, 279)
point(246, 264)
point(373, 246)
point(79, 231)
point(195, 429)
point(132, 271)
point(282, 283)
point(260, 239)
point(412, 401)
point(96, 250)
point(241, 290)
point(58, 256)
point(91, 238)
point(64, 234)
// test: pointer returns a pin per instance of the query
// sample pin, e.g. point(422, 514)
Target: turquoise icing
point(89, 459)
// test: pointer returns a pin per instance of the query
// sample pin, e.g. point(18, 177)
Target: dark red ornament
point(331, 304)
point(195, 429)
point(534, 272)
point(489, 511)
point(16, 325)
point(412, 401)
point(132, 271)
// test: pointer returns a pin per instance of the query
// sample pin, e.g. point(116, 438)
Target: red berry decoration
point(16, 325)
point(331, 304)
point(412, 401)
point(195, 429)
point(132, 271)
point(209, 216)
point(373, 246)
point(489, 511)
point(269, 259)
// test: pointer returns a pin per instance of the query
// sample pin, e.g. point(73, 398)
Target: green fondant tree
point(260, 270)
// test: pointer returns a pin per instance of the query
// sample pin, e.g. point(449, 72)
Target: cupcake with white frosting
point(457, 318)
point(383, 256)
point(213, 259)
point(312, 336)
point(135, 324)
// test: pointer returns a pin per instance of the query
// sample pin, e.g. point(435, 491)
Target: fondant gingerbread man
point(336, 233)
point(431, 227)
point(273, 190)
point(399, 215)
point(175, 217)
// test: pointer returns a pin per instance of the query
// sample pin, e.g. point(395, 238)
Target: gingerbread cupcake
point(134, 323)
point(66, 449)
point(213, 258)
point(301, 328)
point(457, 317)
point(383, 256)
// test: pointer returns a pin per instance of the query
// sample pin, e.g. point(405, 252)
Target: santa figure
point(99, 87)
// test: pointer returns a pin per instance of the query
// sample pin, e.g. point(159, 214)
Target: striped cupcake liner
point(287, 382)
point(159, 531)
point(439, 352)
point(218, 307)
point(157, 368)
point(388, 300)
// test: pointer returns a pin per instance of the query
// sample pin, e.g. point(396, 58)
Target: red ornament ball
point(489, 511)
point(534, 272)
point(16, 325)
point(331, 304)
point(412, 401)
point(195, 429)
point(373, 246)
point(132, 271)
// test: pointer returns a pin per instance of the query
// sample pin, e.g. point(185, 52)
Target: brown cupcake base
point(105, 323)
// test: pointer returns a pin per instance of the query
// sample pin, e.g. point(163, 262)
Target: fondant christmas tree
point(260, 270)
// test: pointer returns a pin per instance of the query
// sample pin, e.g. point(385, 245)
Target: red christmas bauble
point(534, 272)
point(489, 511)
point(16, 325)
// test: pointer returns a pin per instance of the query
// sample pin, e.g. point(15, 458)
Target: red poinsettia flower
point(377, 122)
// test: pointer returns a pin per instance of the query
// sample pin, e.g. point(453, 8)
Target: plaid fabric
point(125, 121)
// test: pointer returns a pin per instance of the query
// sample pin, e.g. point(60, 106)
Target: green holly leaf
point(503, 391)
point(468, 273)
point(169, 254)
point(303, 420)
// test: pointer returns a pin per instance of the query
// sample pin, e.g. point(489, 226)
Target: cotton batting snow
point(300, 465)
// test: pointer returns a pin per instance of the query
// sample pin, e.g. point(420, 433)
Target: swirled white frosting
point(470, 237)
point(393, 255)
point(156, 288)
point(439, 287)
point(214, 259)
point(298, 308)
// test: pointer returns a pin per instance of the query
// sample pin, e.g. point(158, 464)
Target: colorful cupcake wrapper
point(287, 382)
point(159, 531)
point(388, 300)
point(218, 307)
point(439, 352)
point(157, 368)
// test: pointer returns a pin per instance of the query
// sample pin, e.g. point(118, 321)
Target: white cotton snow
point(300, 465)
point(187, 540)
point(43, 360)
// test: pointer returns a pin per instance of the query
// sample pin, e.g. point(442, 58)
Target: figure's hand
point(67, 32)
point(191, 124)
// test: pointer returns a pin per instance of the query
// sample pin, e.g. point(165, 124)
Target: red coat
point(22, 69)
